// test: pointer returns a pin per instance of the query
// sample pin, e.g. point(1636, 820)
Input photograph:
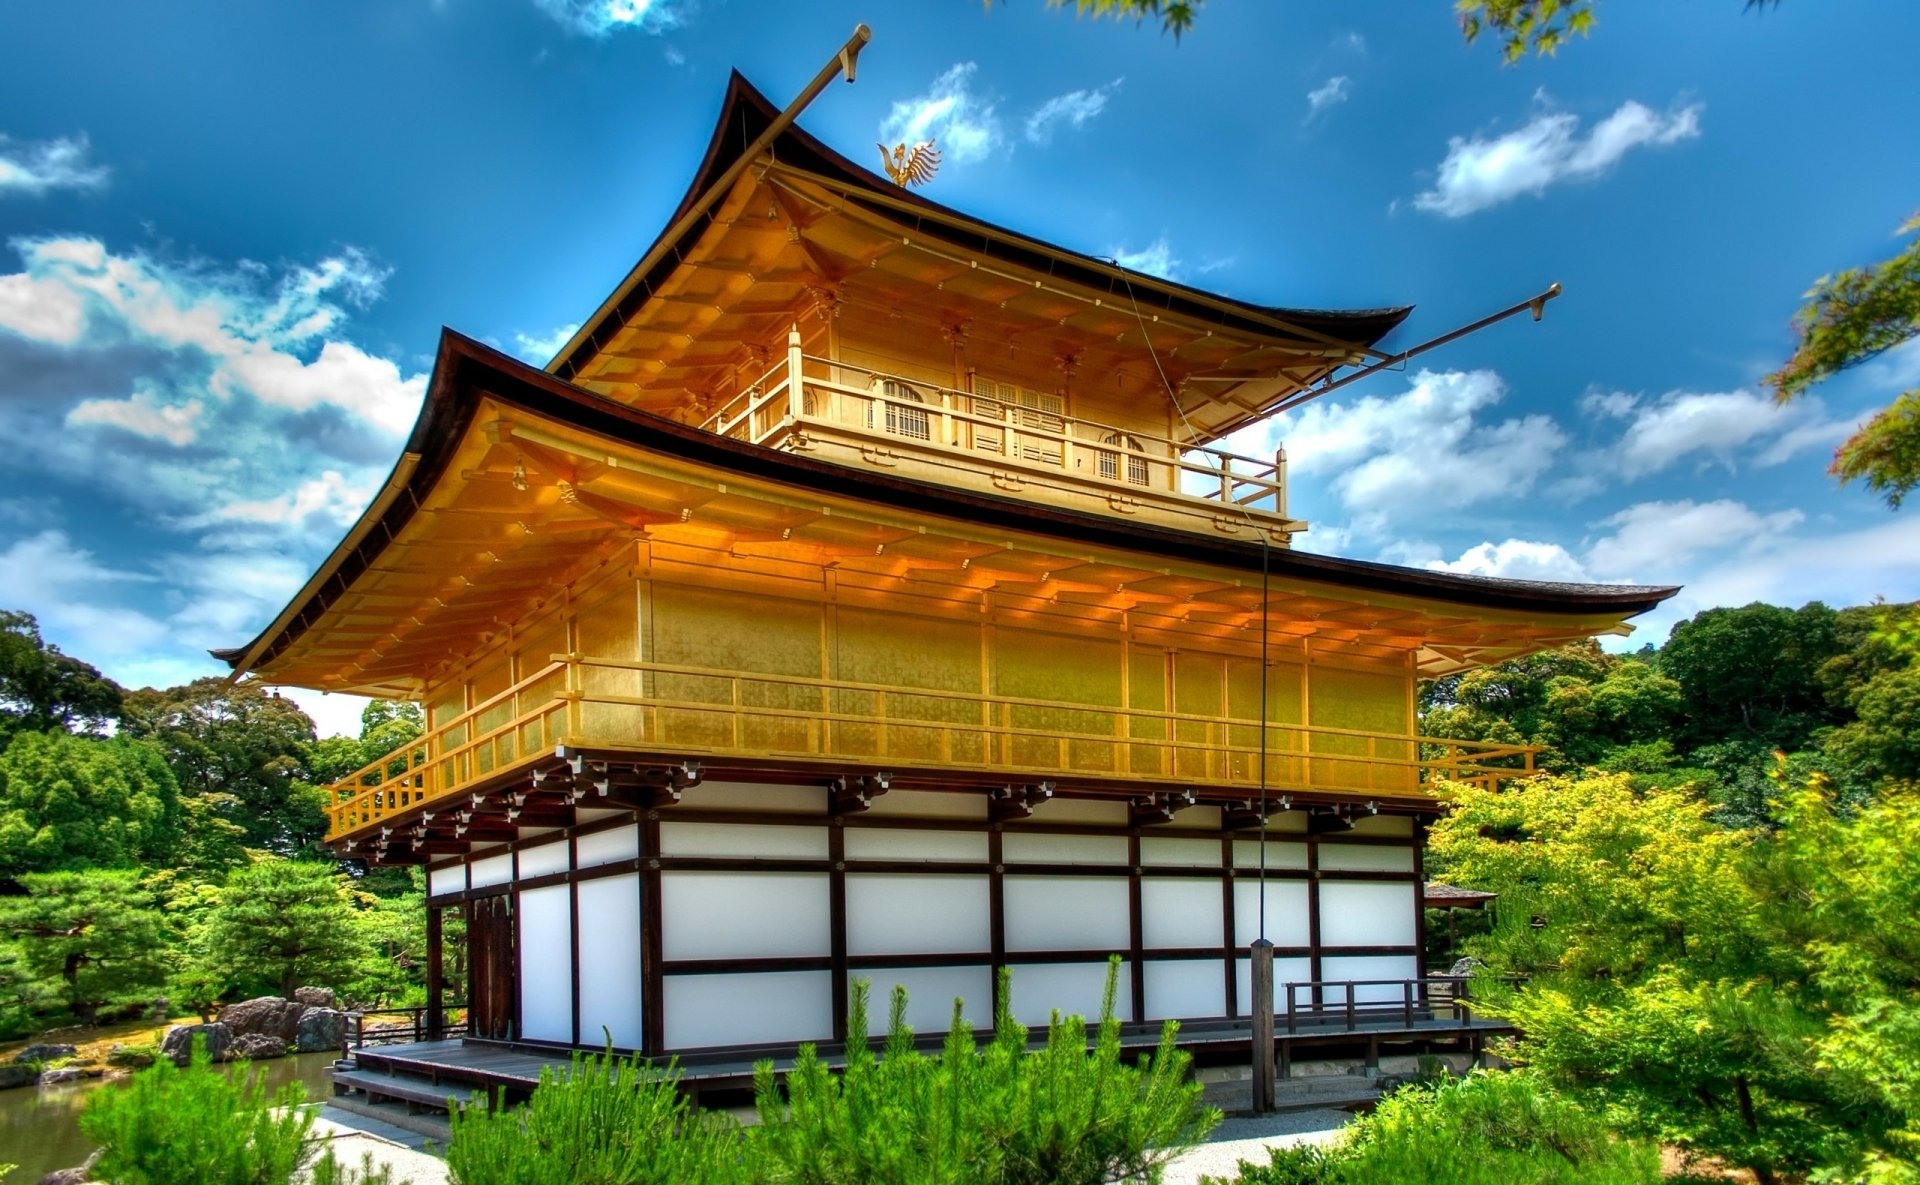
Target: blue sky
point(232, 233)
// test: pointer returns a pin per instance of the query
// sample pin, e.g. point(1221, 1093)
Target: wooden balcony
point(866, 418)
point(610, 705)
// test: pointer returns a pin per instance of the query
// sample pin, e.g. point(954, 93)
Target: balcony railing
point(805, 401)
point(659, 708)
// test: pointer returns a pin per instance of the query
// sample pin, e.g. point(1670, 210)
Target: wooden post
point(436, 1006)
point(796, 396)
point(1260, 1008)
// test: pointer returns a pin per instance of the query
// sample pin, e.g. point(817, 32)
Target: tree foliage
point(241, 745)
point(96, 937)
point(71, 801)
point(43, 690)
point(278, 924)
point(1849, 318)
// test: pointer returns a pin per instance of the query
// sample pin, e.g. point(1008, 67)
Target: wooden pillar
point(1260, 1009)
point(436, 1004)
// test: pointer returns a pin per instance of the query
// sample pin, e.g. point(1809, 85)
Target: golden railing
point(614, 705)
point(918, 417)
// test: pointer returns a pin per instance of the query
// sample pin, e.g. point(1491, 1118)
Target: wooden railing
point(1316, 1005)
point(614, 704)
point(915, 417)
point(391, 1026)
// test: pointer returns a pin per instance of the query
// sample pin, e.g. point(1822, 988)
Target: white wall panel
point(743, 915)
point(1181, 911)
point(927, 804)
point(749, 796)
point(548, 857)
point(885, 843)
point(743, 840)
point(546, 964)
point(1286, 912)
point(769, 1008)
point(890, 914)
point(1350, 857)
point(492, 870)
point(1362, 967)
point(610, 980)
point(1017, 848)
point(1383, 825)
point(1367, 913)
point(1246, 854)
point(1073, 988)
point(1181, 853)
point(607, 847)
point(930, 995)
point(1285, 971)
point(1184, 988)
point(447, 880)
point(1080, 810)
point(1067, 913)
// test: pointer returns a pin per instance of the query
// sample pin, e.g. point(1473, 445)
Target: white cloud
point(142, 414)
point(330, 495)
point(1720, 426)
point(333, 715)
point(1478, 173)
point(1154, 259)
point(964, 124)
point(46, 575)
point(1517, 559)
point(1330, 93)
point(540, 350)
point(1423, 451)
point(1073, 109)
point(1651, 537)
point(603, 18)
point(36, 168)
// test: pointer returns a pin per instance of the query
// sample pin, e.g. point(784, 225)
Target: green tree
point(242, 742)
point(1542, 26)
point(1751, 673)
point(44, 690)
point(1848, 319)
point(1671, 979)
point(1883, 740)
point(71, 801)
point(96, 937)
point(280, 924)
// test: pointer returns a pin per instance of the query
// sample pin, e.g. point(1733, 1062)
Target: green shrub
point(198, 1126)
point(608, 1121)
point(1485, 1129)
point(1002, 1115)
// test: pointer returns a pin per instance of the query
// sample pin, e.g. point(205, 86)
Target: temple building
point(864, 593)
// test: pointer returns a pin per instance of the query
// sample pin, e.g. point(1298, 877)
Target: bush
point(1002, 1115)
point(1485, 1129)
point(608, 1121)
point(198, 1126)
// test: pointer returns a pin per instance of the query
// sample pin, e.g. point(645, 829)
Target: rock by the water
point(320, 1029)
point(257, 1046)
point(74, 1176)
point(68, 1074)
point(48, 1052)
point(178, 1045)
point(315, 997)
point(12, 1076)
point(132, 1057)
point(1465, 966)
point(266, 1014)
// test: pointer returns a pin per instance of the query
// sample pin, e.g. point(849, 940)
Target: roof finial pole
point(844, 60)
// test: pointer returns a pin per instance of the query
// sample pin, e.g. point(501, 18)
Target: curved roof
point(745, 113)
point(467, 372)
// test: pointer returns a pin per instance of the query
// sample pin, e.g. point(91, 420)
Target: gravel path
point(1249, 1137)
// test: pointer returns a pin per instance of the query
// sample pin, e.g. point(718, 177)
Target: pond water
point(40, 1126)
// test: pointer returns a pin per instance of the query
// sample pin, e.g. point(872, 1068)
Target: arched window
point(902, 417)
point(1129, 461)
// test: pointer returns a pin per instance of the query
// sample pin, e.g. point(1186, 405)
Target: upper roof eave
point(465, 371)
point(745, 112)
